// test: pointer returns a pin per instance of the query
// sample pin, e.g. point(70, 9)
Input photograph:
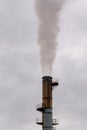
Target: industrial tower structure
point(45, 107)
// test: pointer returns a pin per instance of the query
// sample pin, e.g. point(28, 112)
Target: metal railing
point(39, 105)
point(39, 121)
point(54, 121)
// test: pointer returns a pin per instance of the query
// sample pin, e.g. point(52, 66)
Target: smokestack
point(48, 12)
point(45, 107)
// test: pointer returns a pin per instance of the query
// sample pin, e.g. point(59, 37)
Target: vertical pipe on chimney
point(47, 103)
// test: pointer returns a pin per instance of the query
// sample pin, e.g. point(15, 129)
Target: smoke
point(48, 11)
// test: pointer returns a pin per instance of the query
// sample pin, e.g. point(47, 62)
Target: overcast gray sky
point(20, 70)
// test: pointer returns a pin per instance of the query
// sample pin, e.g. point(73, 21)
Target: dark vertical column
point(47, 103)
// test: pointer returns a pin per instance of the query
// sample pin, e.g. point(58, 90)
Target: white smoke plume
point(48, 11)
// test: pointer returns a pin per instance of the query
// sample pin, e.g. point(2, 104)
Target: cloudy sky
point(20, 69)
